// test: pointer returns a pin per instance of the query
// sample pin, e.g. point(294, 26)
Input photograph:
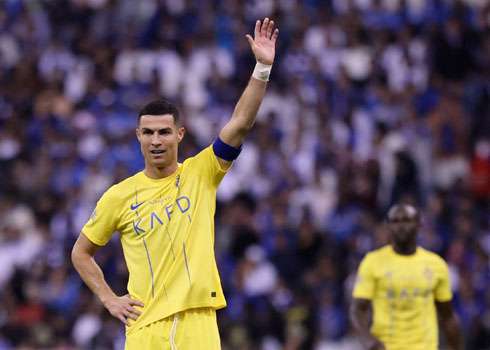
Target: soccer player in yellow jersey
point(405, 290)
point(165, 219)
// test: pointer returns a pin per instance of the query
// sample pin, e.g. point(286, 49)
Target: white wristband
point(262, 71)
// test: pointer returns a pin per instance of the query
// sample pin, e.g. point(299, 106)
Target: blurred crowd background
point(370, 102)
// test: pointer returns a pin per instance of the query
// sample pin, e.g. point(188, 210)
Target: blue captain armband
point(225, 151)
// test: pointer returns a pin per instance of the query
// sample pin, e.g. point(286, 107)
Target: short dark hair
point(404, 206)
point(160, 107)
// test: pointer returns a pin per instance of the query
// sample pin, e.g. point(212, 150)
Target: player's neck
point(159, 173)
point(405, 248)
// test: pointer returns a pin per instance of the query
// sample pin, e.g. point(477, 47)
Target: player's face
point(159, 138)
point(403, 223)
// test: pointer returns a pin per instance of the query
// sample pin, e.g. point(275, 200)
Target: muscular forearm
point(245, 112)
point(449, 322)
point(452, 332)
point(360, 317)
point(92, 275)
point(243, 118)
point(82, 257)
point(360, 321)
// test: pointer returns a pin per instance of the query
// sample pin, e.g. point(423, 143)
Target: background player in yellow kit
point(405, 289)
point(165, 217)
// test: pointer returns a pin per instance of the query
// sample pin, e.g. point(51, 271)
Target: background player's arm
point(82, 257)
point(243, 118)
point(448, 320)
point(360, 317)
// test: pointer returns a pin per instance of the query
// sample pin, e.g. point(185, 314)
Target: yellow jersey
point(166, 228)
point(403, 290)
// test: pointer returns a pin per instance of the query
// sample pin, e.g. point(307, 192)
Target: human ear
point(180, 133)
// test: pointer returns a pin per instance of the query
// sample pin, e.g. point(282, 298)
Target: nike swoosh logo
point(133, 207)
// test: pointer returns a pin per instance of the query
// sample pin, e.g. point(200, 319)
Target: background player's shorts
point(187, 330)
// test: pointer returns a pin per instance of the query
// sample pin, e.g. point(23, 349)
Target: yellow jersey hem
point(92, 239)
point(131, 329)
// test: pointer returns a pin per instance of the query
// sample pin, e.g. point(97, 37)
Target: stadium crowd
point(370, 102)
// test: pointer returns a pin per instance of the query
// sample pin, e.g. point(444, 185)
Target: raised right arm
point(83, 260)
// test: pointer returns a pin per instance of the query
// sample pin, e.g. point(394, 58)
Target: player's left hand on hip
point(264, 41)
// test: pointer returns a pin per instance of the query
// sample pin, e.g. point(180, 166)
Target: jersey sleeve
point(443, 291)
point(207, 165)
point(365, 282)
point(103, 221)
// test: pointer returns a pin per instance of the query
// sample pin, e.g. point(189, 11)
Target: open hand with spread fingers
point(263, 45)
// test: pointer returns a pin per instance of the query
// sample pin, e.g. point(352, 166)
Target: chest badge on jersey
point(428, 274)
